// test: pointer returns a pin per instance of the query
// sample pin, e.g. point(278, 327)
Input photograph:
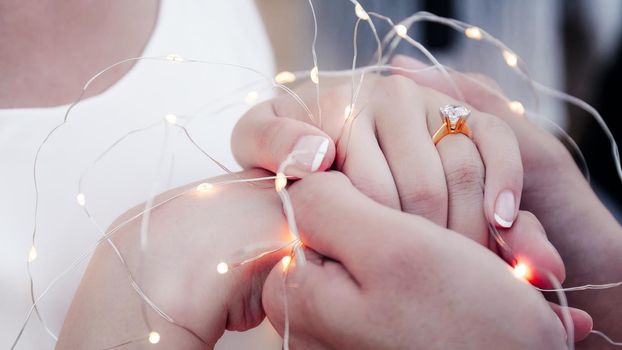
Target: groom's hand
point(380, 278)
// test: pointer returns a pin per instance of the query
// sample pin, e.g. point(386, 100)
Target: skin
point(554, 190)
point(208, 303)
point(576, 221)
point(50, 50)
point(388, 154)
point(207, 230)
point(188, 238)
point(31, 86)
point(417, 268)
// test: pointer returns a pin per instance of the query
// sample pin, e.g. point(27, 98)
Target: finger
point(314, 295)
point(412, 157)
point(341, 223)
point(527, 244)
point(482, 93)
point(464, 172)
point(581, 320)
point(328, 213)
point(366, 165)
point(500, 152)
point(263, 139)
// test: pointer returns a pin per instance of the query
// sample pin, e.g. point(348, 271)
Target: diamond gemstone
point(454, 112)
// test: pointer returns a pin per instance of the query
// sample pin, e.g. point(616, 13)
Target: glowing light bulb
point(473, 33)
point(32, 254)
point(360, 12)
point(171, 118)
point(285, 77)
point(205, 187)
point(286, 261)
point(517, 107)
point(510, 58)
point(251, 97)
point(81, 199)
point(280, 182)
point(154, 337)
point(401, 30)
point(315, 75)
point(222, 268)
point(521, 271)
point(347, 111)
point(173, 57)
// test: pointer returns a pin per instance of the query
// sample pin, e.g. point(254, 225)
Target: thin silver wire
point(604, 336)
point(315, 63)
point(540, 87)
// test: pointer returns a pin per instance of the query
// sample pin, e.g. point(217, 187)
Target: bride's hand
point(385, 147)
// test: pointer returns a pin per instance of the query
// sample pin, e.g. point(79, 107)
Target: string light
point(521, 271)
point(32, 254)
point(173, 57)
point(315, 75)
point(517, 107)
point(81, 199)
point(285, 262)
point(154, 337)
point(251, 97)
point(473, 33)
point(205, 187)
point(280, 182)
point(347, 111)
point(401, 30)
point(285, 77)
point(222, 268)
point(360, 12)
point(171, 118)
point(510, 58)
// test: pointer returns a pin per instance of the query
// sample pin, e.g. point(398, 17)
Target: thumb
point(262, 139)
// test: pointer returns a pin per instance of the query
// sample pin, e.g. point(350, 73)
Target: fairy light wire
point(398, 33)
point(561, 296)
point(109, 234)
point(49, 135)
point(315, 62)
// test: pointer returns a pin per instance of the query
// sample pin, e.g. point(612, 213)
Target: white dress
point(218, 31)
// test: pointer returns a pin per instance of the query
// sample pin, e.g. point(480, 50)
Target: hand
point(586, 234)
point(377, 278)
point(386, 150)
point(188, 237)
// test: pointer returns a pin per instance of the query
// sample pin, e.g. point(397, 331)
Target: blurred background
point(572, 45)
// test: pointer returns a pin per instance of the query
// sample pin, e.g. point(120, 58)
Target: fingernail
point(505, 209)
point(310, 152)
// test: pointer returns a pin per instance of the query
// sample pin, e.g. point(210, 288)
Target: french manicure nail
point(310, 152)
point(505, 209)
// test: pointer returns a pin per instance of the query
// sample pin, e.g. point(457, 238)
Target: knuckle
point(466, 173)
point(425, 198)
point(397, 86)
point(382, 193)
point(317, 189)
